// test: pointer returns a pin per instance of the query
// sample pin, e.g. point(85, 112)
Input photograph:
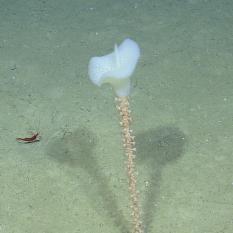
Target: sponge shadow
point(156, 148)
point(76, 150)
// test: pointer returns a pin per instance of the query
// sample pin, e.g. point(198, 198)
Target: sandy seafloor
point(74, 179)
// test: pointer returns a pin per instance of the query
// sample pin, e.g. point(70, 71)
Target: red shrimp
point(34, 138)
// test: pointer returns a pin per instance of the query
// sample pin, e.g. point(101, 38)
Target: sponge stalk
point(130, 149)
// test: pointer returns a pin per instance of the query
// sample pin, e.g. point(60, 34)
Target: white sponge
point(116, 67)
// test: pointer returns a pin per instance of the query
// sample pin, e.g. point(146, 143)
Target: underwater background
point(74, 179)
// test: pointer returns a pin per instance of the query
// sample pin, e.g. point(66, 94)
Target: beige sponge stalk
point(130, 149)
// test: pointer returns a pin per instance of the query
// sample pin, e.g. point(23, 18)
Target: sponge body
point(116, 68)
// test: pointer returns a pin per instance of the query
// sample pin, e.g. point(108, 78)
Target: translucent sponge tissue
point(116, 68)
